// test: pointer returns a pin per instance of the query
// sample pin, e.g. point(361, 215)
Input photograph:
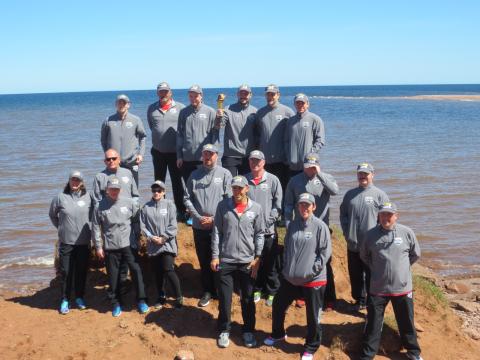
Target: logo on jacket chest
point(305, 124)
point(308, 235)
point(128, 125)
point(250, 215)
point(369, 200)
point(398, 241)
point(278, 117)
point(264, 187)
point(163, 212)
point(124, 210)
point(81, 203)
point(173, 111)
point(202, 116)
point(217, 180)
point(125, 179)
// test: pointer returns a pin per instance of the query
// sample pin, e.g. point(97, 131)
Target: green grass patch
point(434, 296)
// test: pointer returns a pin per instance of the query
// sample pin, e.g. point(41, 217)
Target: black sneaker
point(205, 300)
point(359, 306)
point(179, 302)
point(162, 300)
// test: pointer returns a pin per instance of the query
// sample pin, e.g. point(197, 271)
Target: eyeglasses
point(157, 190)
point(111, 159)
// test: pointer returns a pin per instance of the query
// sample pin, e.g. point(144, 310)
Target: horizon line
point(231, 87)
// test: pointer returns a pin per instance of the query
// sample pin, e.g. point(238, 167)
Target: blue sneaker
point(117, 310)
point(189, 222)
point(142, 307)
point(64, 309)
point(80, 303)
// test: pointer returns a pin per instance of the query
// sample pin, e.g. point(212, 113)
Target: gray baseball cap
point(240, 181)
point(196, 89)
point(257, 154)
point(123, 97)
point(163, 86)
point(388, 207)
point(301, 97)
point(272, 88)
point(114, 183)
point(76, 174)
point(244, 87)
point(210, 147)
point(365, 168)
point(158, 183)
point(310, 160)
point(306, 198)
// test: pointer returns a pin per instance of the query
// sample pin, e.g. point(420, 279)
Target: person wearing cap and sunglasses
point(158, 221)
point(358, 214)
point(111, 233)
point(266, 190)
point(238, 120)
point(162, 118)
point(270, 123)
point(321, 185)
point(205, 188)
point(307, 250)
point(196, 128)
point(71, 213)
point(237, 243)
point(389, 250)
point(125, 133)
point(304, 134)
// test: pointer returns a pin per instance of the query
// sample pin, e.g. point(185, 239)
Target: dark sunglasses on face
point(111, 159)
point(157, 190)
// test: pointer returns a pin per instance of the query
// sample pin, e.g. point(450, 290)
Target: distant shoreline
point(444, 97)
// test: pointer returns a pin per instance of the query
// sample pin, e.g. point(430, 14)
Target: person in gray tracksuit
point(162, 118)
point(205, 188)
point(321, 185)
point(389, 250)
point(358, 214)
point(112, 161)
point(307, 250)
point(111, 233)
point(304, 133)
point(265, 189)
point(125, 133)
point(71, 213)
point(196, 128)
point(237, 243)
point(158, 221)
point(270, 122)
point(239, 121)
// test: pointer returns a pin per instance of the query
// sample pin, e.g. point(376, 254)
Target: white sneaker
point(307, 356)
point(223, 339)
point(413, 357)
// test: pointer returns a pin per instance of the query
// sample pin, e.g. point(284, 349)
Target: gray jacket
point(237, 239)
point(304, 134)
point(71, 214)
point(359, 213)
point(196, 127)
point(268, 193)
point(307, 249)
point(270, 125)
point(112, 221)
point(164, 126)
point(389, 254)
point(239, 122)
point(159, 218)
point(321, 186)
point(204, 190)
point(126, 136)
point(129, 187)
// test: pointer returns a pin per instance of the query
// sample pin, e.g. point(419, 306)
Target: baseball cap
point(311, 159)
point(301, 97)
point(244, 87)
point(158, 183)
point(163, 86)
point(257, 154)
point(123, 97)
point(76, 174)
point(388, 207)
point(240, 181)
point(272, 88)
point(113, 183)
point(365, 167)
point(210, 147)
point(306, 198)
point(195, 88)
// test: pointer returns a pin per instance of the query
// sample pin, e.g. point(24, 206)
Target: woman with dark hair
point(158, 221)
point(71, 213)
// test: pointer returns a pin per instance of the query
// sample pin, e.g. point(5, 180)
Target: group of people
point(270, 175)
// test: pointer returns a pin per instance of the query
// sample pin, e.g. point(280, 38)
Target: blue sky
point(54, 46)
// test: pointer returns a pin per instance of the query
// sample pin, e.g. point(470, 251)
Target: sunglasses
point(157, 190)
point(111, 159)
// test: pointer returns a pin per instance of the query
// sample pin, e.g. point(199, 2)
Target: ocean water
point(426, 154)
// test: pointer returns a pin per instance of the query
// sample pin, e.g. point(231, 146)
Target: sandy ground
point(33, 329)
